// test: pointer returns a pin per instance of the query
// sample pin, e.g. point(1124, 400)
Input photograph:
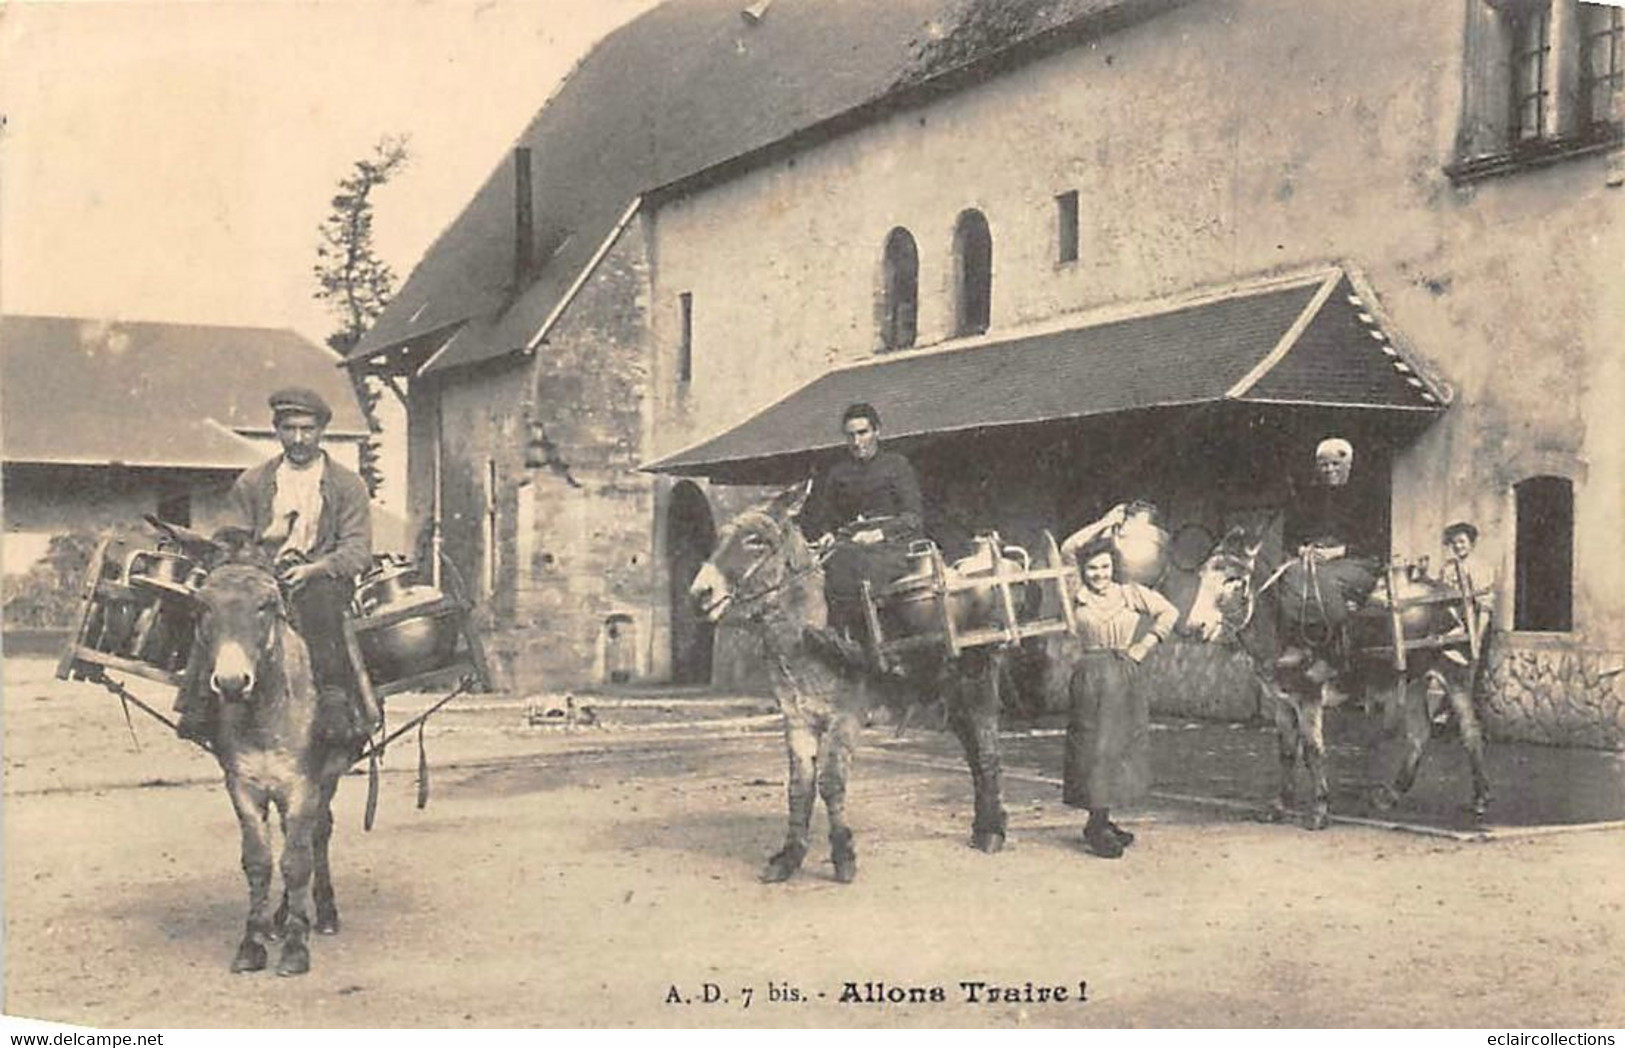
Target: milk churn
point(1141, 545)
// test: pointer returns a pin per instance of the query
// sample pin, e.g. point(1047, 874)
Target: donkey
point(269, 745)
point(764, 577)
point(1224, 610)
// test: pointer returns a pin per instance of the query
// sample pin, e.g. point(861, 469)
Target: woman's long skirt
point(1108, 734)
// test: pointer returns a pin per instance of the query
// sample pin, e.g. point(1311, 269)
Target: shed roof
point(1311, 341)
point(84, 391)
point(686, 88)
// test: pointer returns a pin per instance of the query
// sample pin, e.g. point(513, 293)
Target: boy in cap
point(313, 518)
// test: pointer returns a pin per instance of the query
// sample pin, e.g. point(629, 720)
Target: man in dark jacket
point(1331, 530)
point(313, 518)
point(865, 510)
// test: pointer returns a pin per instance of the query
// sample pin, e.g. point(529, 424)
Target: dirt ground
point(605, 877)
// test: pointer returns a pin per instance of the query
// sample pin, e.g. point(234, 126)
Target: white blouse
point(1111, 620)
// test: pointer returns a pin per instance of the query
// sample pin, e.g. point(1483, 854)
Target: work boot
point(1100, 840)
point(338, 719)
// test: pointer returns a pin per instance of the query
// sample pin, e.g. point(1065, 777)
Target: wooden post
point(1397, 625)
point(877, 636)
point(87, 601)
point(1064, 581)
point(1012, 628)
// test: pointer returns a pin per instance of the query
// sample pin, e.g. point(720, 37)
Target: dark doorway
point(690, 534)
point(1544, 586)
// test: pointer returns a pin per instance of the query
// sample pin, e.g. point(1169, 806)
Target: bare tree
point(354, 282)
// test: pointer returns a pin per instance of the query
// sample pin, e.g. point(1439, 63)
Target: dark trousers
point(318, 609)
point(845, 572)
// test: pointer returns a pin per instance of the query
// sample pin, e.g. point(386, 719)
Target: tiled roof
point(94, 392)
point(1309, 341)
point(686, 87)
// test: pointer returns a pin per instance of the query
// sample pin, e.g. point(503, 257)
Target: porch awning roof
point(1309, 341)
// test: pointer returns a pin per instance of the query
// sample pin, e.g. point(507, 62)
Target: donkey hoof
point(846, 869)
point(327, 922)
point(250, 957)
point(781, 867)
point(1385, 798)
point(990, 841)
point(1276, 812)
point(295, 959)
point(1317, 820)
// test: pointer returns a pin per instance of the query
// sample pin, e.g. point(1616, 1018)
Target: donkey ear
point(788, 503)
point(194, 544)
point(233, 545)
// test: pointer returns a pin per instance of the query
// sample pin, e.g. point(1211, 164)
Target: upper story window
point(1543, 83)
point(1066, 226)
point(973, 274)
point(1602, 66)
point(1543, 584)
point(685, 337)
point(1531, 32)
point(900, 291)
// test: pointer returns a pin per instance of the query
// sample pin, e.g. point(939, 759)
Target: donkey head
point(758, 553)
point(240, 606)
point(1224, 596)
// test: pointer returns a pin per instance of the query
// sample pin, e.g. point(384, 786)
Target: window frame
point(685, 338)
point(972, 223)
point(1528, 615)
point(892, 329)
point(1590, 122)
point(1067, 227)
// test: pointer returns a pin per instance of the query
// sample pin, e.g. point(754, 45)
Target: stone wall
point(586, 585)
point(1539, 692)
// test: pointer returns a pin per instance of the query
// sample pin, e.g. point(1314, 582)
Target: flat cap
point(302, 401)
point(1461, 527)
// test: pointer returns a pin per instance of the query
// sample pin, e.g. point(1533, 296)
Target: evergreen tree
point(354, 282)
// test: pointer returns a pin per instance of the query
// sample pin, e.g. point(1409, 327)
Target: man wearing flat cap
point(311, 515)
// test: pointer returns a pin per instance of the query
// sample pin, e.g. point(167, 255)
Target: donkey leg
point(327, 911)
point(1415, 727)
point(1311, 720)
point(973, 711)
point(1472, 740)
point(834, 767)
point(297, 861)
point(256, 832)
point(1288, 748)
point(801, 743)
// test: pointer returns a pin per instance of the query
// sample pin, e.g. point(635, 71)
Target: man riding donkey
point(863, 513)
point(311, 517)
point(1329, 529)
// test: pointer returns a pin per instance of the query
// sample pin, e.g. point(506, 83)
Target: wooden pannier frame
point(1056, 576)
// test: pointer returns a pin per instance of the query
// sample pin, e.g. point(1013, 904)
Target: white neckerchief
point(299, 491)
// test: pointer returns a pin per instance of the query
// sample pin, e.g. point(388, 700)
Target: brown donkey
point(764, 578)
point(249, 659)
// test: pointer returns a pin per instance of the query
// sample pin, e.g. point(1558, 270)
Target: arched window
point(900, 301)
point(1544, 561)
point(973, 274)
